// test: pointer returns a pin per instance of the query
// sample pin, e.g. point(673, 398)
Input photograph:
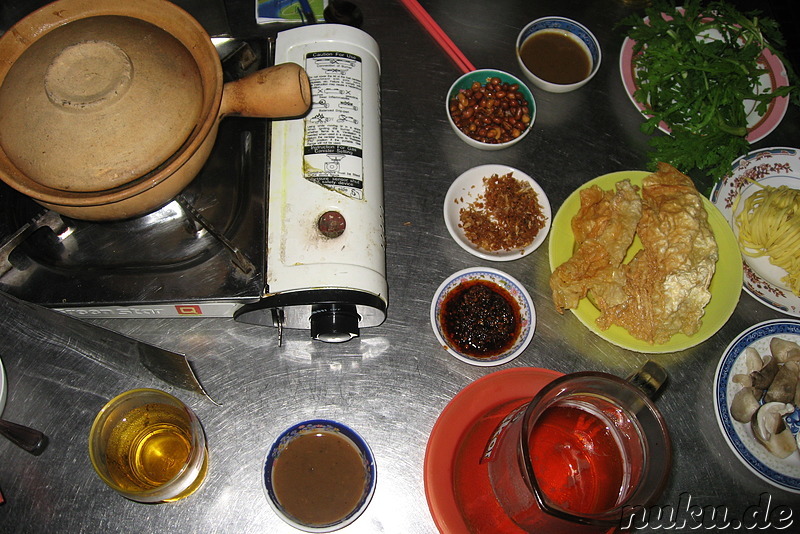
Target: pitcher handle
point(649, 378)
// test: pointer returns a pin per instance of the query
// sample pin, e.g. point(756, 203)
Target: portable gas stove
point(208, 252)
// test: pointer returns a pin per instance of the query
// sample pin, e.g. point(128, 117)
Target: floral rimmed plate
point(781, 472)
point(772, 166)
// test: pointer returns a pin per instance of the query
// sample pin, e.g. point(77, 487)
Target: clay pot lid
point(99, 102)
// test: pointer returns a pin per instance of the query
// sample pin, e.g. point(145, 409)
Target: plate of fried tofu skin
point(645, 261)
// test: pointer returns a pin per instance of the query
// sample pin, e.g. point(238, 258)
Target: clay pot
point(109, 109)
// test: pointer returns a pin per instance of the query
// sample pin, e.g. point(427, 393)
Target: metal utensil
point(33, 441)
point(105, 347)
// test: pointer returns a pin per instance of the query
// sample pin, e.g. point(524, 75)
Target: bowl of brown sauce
point(483, 316)
point(319, 475)
point(558, 54)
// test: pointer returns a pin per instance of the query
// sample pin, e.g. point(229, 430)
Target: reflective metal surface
point(198, 248)
point(392, 383)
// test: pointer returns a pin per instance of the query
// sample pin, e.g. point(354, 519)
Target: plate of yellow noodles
point(760, 198)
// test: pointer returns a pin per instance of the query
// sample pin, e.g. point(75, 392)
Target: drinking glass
point(149, 446)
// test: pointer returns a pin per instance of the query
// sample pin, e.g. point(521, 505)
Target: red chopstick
point(424, 18)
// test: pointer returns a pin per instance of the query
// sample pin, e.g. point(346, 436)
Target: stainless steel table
point(393, 382)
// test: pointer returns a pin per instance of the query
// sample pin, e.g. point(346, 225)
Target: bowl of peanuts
point(490, 109)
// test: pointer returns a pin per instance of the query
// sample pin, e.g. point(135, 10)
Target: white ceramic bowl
point(467, 188)
point(465, 82)
point(527, 313)
point(309, 427)
point(574, 29)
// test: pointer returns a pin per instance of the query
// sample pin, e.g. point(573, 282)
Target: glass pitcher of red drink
point(590, 449)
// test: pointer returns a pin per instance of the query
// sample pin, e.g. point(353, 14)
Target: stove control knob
point(334, 323)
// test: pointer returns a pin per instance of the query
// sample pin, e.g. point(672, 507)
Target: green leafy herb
point(695, 73)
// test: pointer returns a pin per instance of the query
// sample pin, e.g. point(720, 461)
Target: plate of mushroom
point(757, 400)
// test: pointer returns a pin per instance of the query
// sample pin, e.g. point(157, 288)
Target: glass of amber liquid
point(149, 446)
point(588, 450)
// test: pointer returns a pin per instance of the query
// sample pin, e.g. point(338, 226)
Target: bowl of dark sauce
point(558, 54)
point(483, 316)
point(319, 475)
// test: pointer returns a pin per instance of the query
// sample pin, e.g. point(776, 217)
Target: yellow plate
point(726, 285)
